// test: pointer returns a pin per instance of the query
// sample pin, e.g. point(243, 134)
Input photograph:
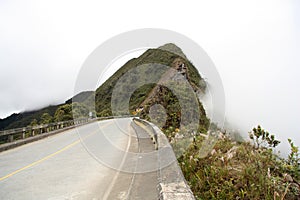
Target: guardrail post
point(10, 138)
point(156, 141)
point(23, 133)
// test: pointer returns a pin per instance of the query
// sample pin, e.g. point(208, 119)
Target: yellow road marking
point(49, 156)
point(39, 161)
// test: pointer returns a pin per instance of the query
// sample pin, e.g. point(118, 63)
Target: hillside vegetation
point(24, 119)
point(242, 170)
point(55, 112)
point(151, 57)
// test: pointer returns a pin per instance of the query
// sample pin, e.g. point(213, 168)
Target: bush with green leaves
point(46, 118)
point(262, 138)
point(34, 122)
point(63, 113)
point(293, 160)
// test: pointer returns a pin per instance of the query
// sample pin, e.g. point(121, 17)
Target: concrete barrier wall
point(149, 129)
point(29, 131)
point(171, 182)
point(21, 136)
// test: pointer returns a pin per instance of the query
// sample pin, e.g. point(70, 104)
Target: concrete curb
point(149, 129)
point(171, 182)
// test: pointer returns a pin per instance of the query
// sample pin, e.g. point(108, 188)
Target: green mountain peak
point(173, 48)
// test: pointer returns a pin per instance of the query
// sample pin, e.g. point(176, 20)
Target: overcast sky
point(254, 44)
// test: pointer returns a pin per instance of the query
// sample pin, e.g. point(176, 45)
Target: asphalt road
point(81, 163)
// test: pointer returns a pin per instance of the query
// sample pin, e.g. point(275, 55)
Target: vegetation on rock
point(242, 170)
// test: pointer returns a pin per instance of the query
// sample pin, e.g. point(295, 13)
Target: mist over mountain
point(23, 119)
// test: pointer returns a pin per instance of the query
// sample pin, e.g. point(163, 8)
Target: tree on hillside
point(68, 111)
point(46, 118)
point(80, 110)
point(34, 122)
point(63, 113)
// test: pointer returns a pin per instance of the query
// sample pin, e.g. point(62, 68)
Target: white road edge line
point(108, 191)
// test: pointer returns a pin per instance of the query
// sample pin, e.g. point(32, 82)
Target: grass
point(239, 170)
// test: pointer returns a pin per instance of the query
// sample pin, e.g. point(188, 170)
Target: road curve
point(63, 167)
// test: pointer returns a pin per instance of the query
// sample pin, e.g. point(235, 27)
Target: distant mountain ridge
point(23, 119)
point(18, 120)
